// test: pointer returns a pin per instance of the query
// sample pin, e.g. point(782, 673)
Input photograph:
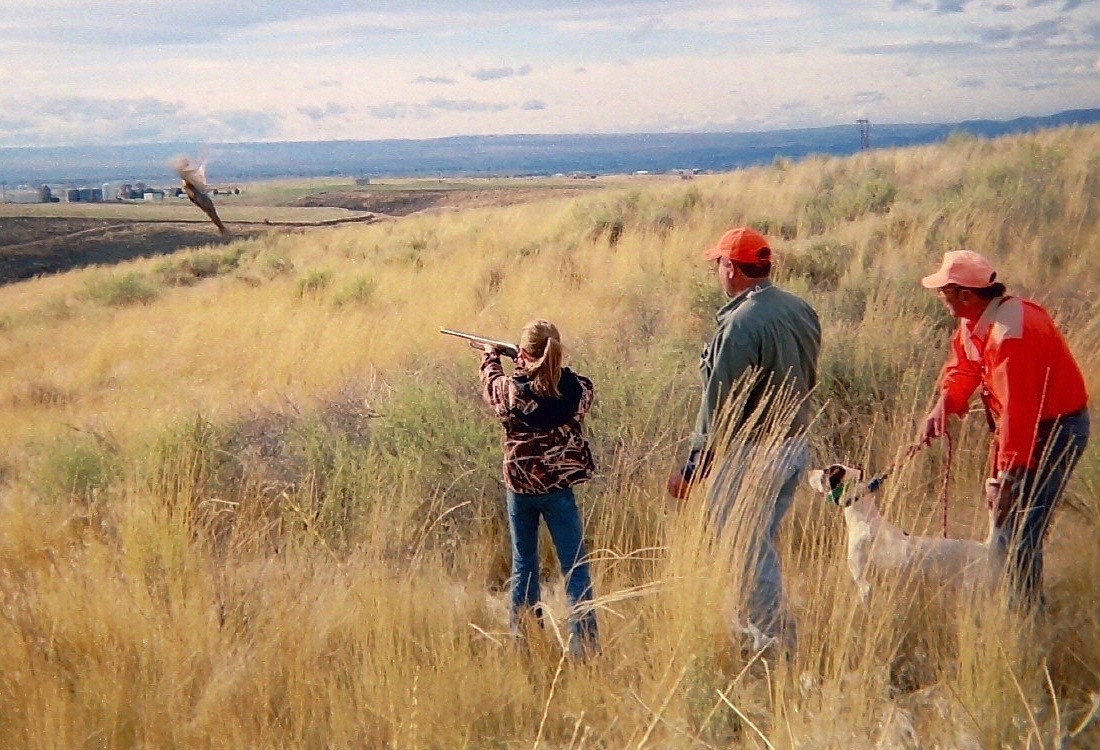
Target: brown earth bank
point(33, 246)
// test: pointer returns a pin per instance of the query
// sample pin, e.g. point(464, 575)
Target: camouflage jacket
point(544, 445)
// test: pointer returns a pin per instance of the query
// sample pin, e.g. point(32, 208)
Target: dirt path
point(406, 202)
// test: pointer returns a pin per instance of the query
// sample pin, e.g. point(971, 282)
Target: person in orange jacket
point(1035, 401)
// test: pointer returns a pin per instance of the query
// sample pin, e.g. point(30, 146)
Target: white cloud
point(504, 71)
point(217, 70)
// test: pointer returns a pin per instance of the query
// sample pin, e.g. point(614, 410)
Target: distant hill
point(489, 155)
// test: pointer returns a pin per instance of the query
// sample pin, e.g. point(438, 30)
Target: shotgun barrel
point(500, 347)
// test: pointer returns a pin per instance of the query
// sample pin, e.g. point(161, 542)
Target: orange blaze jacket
point(1028, 373)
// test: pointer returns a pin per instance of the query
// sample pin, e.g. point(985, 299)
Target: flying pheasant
point(194, 186)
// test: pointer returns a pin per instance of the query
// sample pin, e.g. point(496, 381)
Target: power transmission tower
point(864, 133)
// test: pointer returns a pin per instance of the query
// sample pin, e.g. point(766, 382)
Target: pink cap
point(962, 268)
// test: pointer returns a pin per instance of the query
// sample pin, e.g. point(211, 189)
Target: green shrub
point(314, 282)
point(706, 298)
point(54, 310)
point(871, 197)
point(186, 462)
point(677, 209)
point(274, 261)
point(305, 471)
point(122, 290)
point(488, 285)
point(847, 197)
point(78, 468)
point(359, 291)
point(605, 217)
point(403, 253)
point(1027, 187)
point(530, 249)
point(441, 421)
point(822, 265)
point(788, 230)
point(199, 265)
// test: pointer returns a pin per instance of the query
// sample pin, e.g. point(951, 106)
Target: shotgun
point(500, 347)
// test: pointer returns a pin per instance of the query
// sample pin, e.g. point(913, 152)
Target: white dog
point(875, 543)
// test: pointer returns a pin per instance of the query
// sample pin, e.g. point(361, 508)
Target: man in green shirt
point(757, 374)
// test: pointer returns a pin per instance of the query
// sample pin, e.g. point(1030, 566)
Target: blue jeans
point(763, 594)
point(1059, 443)
point(559, 510)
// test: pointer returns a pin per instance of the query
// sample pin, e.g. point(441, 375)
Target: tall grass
point(262, 507)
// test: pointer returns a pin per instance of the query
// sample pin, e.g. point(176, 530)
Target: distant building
point(362, 181)
point(24, 194)
point(82, 195)
point(131, 191)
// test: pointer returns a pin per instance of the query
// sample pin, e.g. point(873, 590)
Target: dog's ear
point(817, 480)
point(836, 475)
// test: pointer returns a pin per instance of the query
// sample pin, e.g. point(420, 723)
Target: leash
point(946, 480)
point(911, 451)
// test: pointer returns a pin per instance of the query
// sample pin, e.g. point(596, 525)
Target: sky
point(76, 72)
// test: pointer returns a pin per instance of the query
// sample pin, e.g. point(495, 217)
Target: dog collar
point(833, 496)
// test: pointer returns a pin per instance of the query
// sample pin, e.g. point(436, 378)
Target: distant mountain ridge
point(492, 155)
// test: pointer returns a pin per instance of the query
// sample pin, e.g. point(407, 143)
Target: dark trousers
point(1059, 444)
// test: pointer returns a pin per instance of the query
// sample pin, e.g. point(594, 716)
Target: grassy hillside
point(251, 498)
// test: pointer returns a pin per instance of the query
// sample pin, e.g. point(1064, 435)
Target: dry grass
point(262, 508)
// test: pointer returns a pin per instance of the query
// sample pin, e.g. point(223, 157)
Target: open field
point(288, 191)
point(51, 237)
point(249, 496)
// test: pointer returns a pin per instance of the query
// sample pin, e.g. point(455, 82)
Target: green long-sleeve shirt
point(769, 337)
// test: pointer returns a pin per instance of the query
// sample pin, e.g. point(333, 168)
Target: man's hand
point(935, 424)
point(678, 487)
point(484, 348)
point(1001, 495)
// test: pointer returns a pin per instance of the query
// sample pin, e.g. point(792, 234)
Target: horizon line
point(586, 134)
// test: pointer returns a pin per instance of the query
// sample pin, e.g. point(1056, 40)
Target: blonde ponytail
point(541, 344)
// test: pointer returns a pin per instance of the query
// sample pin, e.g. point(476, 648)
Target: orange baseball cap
point(741, 245)
point(962, 268)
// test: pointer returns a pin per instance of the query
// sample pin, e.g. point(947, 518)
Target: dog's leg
point(864, 591)
point(857, 566)
point(759, 639)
